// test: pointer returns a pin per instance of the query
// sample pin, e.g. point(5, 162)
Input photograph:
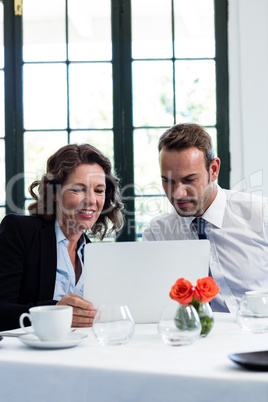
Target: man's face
point(188, 185)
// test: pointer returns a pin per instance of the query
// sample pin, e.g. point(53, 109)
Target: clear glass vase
point(179, 325)
point(206, 317)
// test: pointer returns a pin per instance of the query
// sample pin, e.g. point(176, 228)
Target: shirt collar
point(188, 220)
point(215, 212)
point(61, 237)
point(59, 233)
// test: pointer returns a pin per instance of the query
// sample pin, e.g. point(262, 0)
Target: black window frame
point(122, 103)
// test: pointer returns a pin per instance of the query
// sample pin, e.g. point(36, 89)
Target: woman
point(41, 255)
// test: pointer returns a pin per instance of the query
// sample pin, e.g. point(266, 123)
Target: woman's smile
point(87, 213)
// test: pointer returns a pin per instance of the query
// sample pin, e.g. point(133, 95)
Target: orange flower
point(182, 291)
point(206, 289)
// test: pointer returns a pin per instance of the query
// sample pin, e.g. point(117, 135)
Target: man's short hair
point(185, 136)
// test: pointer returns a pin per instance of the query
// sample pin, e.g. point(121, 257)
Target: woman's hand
point(83, 311)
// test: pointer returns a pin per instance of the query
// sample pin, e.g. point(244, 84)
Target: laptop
point(141, 274)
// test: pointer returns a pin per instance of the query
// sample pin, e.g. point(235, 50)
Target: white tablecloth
point(144, 370)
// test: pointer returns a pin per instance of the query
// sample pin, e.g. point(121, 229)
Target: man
point(236, 223)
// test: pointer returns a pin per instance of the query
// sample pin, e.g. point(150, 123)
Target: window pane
point(38, 147)
point(194, 28)
point(2, 213)
point(147, 208)
point(45, 99)
point(103, 140)
point(2, 119)
point(91, 95)
point(147, 178)
point(147, 173)
point(89, 29)
point(2, 109)
point(3, 173)
point(213, 133)
point(44, 30)
point(1, 35)
point(195, 92)
point(151, 29)
point(152, 93)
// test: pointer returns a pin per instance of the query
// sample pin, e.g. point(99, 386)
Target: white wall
point(248, 89)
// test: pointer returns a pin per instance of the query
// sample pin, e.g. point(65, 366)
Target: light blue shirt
point(65, 276)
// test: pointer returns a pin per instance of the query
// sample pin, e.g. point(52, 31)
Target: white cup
point(258, 301)
point(50, 323)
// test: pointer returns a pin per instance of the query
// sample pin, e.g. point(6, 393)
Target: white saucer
point(71, 340)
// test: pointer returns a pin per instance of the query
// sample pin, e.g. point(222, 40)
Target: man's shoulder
point(244, 198)
point(167, 226)
point(164, 217)
point(250, 210)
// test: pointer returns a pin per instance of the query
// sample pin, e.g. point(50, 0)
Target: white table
point(144, 370)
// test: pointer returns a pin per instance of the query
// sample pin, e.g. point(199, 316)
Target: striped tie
point(200, 227)
point(199, 223)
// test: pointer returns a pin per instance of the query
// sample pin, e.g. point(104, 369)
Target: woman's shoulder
point(24, 221)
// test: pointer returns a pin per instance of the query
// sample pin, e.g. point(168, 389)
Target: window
point(114, 73)
point(2, 121)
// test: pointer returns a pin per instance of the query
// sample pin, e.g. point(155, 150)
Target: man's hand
point(83, 311)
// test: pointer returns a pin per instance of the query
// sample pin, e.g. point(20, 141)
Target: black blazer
point(28, 263)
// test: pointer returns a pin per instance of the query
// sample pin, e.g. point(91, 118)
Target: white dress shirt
point(65, 276)
point(237, 228)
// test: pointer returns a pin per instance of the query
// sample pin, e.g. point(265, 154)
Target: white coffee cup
point(258, 301)
point(50, 323)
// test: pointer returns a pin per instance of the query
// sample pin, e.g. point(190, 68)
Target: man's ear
point(214, 169)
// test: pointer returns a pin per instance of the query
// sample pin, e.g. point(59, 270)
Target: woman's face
point(82, 199)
